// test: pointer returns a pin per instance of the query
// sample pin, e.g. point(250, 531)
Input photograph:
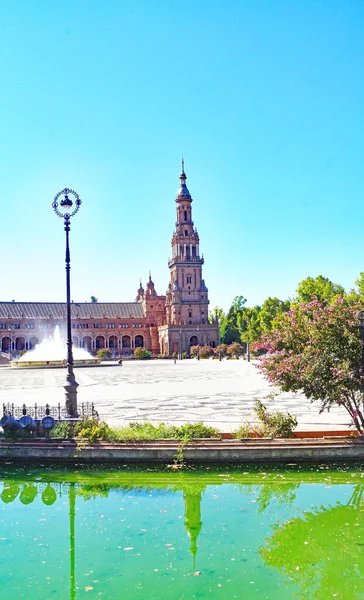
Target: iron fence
point(37, 412)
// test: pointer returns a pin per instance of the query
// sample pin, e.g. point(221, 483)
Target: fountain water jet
point(52, 352)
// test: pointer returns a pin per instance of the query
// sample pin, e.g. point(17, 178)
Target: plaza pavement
point(218, 393)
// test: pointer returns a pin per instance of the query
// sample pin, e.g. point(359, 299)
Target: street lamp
point(247, 340)
point(65, 208)
point(9, 332)
point(198, 344)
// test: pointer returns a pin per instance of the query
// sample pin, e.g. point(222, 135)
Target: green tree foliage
point(360, 285)
point(229, 326)
point(94, 299)
point(320, 288)
point(271, 309)
point(315, 348)
point(249, 324)
point(216, 312)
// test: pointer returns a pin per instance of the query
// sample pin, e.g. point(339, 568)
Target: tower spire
point(183, 165)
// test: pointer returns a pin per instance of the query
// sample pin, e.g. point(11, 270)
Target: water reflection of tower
point(193, 521)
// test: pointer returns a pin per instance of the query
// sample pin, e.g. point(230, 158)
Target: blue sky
point(264, 99)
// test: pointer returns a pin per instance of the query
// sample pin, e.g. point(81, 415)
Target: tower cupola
point(140, 294)
point(183, 191)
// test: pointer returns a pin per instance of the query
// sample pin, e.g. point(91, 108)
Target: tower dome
point(183, 190)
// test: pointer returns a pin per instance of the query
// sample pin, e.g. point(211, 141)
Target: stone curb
point(199, 451)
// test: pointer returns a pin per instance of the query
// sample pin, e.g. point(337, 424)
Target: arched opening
point(139, 341)
point(33, 342)
point(75, 341)
point(126, 341)
point(87, 343)
point(193, 340)
point(19, 344)
point(113, 342)
point(100, 342)
point(6, 344)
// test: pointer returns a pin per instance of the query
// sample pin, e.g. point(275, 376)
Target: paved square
point(217, 393)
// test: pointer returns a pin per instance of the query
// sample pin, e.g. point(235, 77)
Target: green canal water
point(247, 533)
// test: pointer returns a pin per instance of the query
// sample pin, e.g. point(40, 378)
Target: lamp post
point(198, 344)
point(65, 208)
point(9, 332)
point(218, 332)
point(247, 340)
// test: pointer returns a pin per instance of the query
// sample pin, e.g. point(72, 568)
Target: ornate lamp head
point(64, 206)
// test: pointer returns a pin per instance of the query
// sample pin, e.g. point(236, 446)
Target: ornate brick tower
point(187, 295)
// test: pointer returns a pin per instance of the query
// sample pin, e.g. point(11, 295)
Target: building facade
point(162, 324)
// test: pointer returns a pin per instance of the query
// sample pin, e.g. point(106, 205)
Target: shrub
point(184, 355)
point(63, 429)
point(104, 354)
point(194, 350)
point(235, 350)
point(206, 352)
point(174, 355)
point(222, 349)
point(275, 424)
point(93, 430)
point(142, 354)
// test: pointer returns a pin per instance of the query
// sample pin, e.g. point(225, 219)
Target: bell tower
point(187, 296)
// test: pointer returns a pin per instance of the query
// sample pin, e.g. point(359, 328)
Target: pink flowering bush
point(316, 349)
point(235, 349)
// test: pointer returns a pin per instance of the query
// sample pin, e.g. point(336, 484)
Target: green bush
point(275, 424)
point(104, 354)
point(63, 429)
point(93, 430)
point(142, 354)
point(184, 355)
point(174, 355)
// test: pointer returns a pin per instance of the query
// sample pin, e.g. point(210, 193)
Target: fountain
point(52, 352)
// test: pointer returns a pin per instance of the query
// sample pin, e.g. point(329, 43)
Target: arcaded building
point(162, 324)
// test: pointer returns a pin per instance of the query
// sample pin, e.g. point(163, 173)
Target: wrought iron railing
point(37, 412)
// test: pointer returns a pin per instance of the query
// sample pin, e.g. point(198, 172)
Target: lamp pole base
point(71, 395)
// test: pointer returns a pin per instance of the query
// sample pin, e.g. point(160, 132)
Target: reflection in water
point(319, 553)
point(193, 521)
point(49, 492)
point(331, 550)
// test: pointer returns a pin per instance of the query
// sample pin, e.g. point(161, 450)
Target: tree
point(229, 328)
point(320, 288)
point(249, 324)
point(216, 312)
point(315, 348)
point(360, 284)
point(272, 308)
point(94, 299)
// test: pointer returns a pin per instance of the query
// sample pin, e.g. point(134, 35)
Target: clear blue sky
point(264, 99)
